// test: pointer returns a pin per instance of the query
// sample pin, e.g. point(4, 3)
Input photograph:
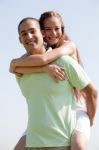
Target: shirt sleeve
point(76, 74)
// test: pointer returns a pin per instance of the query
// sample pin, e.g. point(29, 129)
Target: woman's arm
point(39, 60)
point(56, 72)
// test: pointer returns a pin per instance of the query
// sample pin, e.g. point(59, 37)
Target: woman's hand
point(13, 63)
point(12, 67)
point(57, 73)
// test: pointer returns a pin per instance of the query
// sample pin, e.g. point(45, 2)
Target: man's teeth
point(29, 43)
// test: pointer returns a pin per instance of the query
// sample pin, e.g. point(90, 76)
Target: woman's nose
point(53, 32)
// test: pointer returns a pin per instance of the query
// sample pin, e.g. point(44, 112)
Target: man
point(51, 106)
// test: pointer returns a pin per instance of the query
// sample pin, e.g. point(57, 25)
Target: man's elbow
point(95, 93)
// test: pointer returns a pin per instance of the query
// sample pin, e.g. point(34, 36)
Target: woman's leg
point(81, 133)
point(21, 143)
point(79, 141)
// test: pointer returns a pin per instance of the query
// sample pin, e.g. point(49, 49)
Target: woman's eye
point(57, 29)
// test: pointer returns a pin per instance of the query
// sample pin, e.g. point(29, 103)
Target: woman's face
point(52, 30)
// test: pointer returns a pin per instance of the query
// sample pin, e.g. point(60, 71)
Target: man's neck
point(43, 50)
point(40, 51)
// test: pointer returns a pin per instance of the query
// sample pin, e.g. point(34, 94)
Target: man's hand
point(91, 122)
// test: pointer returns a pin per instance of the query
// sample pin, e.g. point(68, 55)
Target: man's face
point(30, 36)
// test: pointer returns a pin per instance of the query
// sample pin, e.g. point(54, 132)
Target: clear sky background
point(81, 18)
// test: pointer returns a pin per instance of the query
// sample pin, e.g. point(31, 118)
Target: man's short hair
point(25, 19)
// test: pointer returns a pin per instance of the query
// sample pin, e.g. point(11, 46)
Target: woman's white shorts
point(83, 123)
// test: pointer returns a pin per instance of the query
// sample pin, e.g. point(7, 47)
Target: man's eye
point(47, 29)
point(23, 34)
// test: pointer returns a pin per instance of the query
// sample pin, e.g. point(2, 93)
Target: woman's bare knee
point(78, 141)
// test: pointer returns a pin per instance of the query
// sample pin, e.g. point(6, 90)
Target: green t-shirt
point(51, 105)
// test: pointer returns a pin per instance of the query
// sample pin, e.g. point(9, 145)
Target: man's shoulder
point(68, 59)
point(68, 62)
point(24, 55)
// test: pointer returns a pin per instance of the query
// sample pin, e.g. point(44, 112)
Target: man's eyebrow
point(47, 27)
point(28, 29)
point(22, 31)
point(32, 29)
point(51, 27)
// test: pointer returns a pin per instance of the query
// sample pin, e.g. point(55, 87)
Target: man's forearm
point(91, 109)
point(91, 100)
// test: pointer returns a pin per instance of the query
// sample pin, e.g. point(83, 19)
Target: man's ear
point(20, 39)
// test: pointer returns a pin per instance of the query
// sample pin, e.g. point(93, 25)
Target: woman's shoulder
point(70, 42)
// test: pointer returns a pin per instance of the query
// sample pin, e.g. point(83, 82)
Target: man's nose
point(29, 36)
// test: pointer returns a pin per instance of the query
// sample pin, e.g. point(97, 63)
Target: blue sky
point(81, 20)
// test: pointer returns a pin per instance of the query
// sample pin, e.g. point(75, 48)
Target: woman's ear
point(42, 31)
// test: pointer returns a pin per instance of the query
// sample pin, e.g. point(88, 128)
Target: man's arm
point(80, 80)
point(90, 95)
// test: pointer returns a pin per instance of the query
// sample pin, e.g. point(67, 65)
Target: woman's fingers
point(59, 74)
point(56, 72)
